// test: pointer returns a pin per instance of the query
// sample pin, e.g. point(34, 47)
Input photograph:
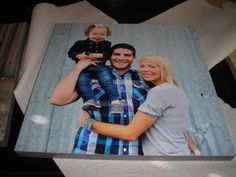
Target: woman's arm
point(139, 124)
point(64, 92)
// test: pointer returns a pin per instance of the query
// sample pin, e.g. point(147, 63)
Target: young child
point(95, 48)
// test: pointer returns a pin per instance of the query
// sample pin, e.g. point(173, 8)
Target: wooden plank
point(15, 50)
point(13, 37)
point(7, 38)
point(179, 43)
point(6, 90)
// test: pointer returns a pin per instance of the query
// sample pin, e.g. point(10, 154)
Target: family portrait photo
point(124, 90)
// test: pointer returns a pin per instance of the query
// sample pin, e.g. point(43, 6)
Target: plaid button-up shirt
point(132, 93)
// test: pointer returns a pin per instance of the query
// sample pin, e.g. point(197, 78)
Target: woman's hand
point(83, 117)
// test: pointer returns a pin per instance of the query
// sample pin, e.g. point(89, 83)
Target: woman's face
point(150, 72)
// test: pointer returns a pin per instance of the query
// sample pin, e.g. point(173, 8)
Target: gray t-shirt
point(167, 104)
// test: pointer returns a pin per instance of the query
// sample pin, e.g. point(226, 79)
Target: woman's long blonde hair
point(167, 74)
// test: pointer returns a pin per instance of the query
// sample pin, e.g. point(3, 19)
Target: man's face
point(121, 59)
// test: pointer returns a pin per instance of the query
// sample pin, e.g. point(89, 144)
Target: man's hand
point(83, 117)
point(82, 64)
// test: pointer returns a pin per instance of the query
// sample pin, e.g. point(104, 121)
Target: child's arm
point(105, 52)
point(82, 56)
point(95, 56)
point(77, 51)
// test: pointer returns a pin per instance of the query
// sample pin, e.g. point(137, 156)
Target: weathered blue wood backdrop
point(51, 129)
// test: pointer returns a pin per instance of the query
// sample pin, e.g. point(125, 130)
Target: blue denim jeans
point(104, 76)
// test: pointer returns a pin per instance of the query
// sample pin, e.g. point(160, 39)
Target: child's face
point(98, 34)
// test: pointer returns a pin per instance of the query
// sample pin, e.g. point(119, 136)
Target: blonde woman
point(162, 117)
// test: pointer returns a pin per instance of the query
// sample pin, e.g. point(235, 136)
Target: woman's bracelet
point(88, 123)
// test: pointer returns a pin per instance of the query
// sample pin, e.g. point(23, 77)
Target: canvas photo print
point(124, 91)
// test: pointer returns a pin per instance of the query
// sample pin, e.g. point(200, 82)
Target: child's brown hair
point(90, 28)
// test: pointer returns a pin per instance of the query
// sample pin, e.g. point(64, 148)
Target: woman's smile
point(150, 72)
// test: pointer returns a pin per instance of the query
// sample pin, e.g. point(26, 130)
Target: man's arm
point(64, 92)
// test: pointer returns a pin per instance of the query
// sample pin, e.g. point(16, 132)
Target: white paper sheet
point(216, 27)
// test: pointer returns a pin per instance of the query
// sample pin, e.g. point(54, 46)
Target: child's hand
point(83, 117)
point(82, 56)
point(95, 56)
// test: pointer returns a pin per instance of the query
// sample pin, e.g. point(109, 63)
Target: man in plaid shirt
point(131, 91)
